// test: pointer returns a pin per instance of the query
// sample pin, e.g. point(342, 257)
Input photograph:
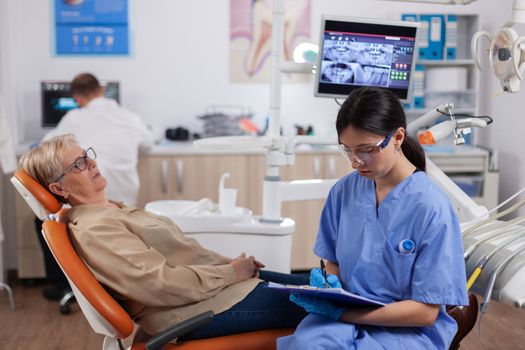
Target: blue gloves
point(320, 306)
point(317, 279)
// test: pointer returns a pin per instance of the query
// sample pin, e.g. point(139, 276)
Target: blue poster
point(91, 27)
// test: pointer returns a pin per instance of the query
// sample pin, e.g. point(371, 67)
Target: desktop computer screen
point(57, 99)
point(356, 52)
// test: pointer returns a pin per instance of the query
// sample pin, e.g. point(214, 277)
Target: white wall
point(179, 66)
point(179, 61)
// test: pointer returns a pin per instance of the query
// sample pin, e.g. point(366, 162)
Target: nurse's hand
point(317, 279)
point(318, 306)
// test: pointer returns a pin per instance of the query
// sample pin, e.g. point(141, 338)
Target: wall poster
point(91, 27)
point(251, 36)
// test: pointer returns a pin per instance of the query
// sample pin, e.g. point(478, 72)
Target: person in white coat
point(117, 134)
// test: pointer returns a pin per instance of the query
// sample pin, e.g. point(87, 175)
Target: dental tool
point(483, 262)
point(496, 208)
point(496, 216)
point(490, 237)
point(492, 281)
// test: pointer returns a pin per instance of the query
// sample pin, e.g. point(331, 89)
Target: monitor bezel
point(371, 21)
point(43, 122)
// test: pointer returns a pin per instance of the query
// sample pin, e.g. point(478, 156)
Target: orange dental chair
point(108, 318)
point(103, 313)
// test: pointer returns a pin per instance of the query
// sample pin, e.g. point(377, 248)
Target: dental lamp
point(459, 127)
point(456, 126)
point(304, 57)
point(506, 55)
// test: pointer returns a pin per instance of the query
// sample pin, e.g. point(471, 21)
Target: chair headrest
point(41, 201)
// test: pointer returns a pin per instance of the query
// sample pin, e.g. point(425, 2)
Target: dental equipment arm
point(498, 233)
point(497, 216)
point(443, 129)
point(465, 207)
point(428, 118)
point(492, 281)
point(481, 264)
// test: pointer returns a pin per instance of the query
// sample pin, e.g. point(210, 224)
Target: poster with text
point(91, 27)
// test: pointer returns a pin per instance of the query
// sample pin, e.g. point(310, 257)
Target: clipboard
point(335, 294)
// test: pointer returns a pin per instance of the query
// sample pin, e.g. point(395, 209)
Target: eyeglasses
point(80, 164)
point(364, 154)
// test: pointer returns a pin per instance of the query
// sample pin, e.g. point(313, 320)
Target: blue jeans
point(263, 308)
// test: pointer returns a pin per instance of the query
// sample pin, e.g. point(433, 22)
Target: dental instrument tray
point(335, 294)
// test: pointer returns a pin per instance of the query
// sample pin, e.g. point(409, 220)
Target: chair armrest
point(465, 317)
point(159, 340)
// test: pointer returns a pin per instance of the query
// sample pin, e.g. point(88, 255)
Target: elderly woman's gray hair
point(45, 162)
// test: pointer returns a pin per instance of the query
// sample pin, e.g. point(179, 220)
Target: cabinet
point(469, 167)
point(454, 80)
point(192, 177)
point(29, 257)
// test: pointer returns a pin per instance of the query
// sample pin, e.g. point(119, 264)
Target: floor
point(37, 324)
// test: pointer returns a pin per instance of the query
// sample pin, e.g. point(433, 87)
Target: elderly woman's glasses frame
point(80, 163)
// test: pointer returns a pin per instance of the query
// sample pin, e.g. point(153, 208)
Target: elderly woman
point(160, 276)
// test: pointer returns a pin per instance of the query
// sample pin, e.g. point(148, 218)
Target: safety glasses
point(364, 154)
point(80, 164)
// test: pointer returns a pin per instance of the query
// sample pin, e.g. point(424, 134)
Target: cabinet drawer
point(30, 263)
point(460, 164)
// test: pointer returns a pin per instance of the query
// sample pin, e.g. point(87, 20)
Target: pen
point(323, 271)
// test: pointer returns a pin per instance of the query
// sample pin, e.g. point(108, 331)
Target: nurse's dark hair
point(378, 111)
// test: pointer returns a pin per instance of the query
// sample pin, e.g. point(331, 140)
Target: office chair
point(103, 313)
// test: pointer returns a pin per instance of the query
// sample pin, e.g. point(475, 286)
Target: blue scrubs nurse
point(387, 233)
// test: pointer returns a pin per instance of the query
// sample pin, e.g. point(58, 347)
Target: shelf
point(447, 63)
point(448, 92)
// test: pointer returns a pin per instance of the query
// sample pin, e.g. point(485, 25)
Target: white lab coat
point(116, 135)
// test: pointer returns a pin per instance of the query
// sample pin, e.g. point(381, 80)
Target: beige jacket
point(160, 276)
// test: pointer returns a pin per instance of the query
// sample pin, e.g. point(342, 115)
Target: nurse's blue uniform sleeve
point(439, 271)
point(327, 235)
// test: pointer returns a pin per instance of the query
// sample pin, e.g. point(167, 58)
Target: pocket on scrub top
point(394, 271)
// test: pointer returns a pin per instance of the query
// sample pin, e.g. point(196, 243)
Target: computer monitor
point(356, 52)
point(57, 99)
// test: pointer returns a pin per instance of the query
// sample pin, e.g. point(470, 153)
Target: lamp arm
point(427, 118)
point(474, 45)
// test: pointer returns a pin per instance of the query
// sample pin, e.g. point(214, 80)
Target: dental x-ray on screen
point(357, 52)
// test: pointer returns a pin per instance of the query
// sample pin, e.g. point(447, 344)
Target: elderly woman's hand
point(245, 267)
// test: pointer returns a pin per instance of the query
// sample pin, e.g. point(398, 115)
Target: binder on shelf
point(410, 17)
point(435, 25)
point(451, 37)
point(418, 87)
point(422, 35)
